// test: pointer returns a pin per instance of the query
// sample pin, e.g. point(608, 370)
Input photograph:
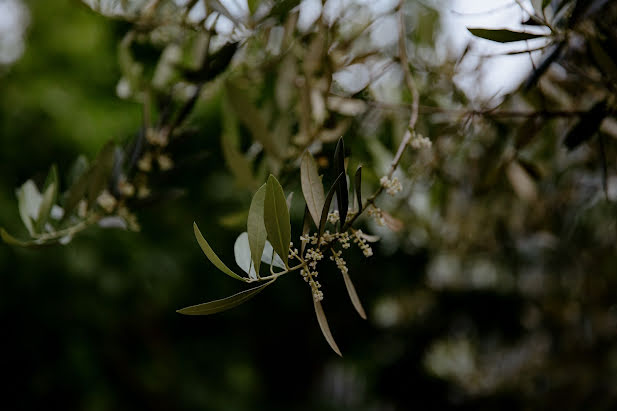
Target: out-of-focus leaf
point(253, 5)
point(342, 192)
point(270, 257)
point(358, 187)
point(289, 199)
point(503, 35)
point(255, 226)
point(252, 119)
point(553, 55)
point(223, 304)
point(100, 172)
point(587, 126)
point(216, 64)
point(217, 6)
point(242, 253)
point(545, 3)
point(9, 239)
point(312, 188)
point(351, 290)
point(276, 218)
point(238, 164)
point(29, 201)
point(79, 167)
point(521, 181)
point(325, 329)
point(50, 194)
point(391, 222)
point(214, 259)
point(326, 205)
point(603, 59)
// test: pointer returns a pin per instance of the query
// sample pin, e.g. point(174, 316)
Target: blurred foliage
point(494, 290)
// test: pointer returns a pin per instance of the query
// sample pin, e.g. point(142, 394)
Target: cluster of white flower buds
point(333, 217)
point(362, 243)
point(377, 214)
point(340, 262)
point(392, 186)
point(419, 141)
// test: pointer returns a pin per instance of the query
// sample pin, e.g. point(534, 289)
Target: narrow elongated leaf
point(326, 205)
point(358, 187)
point(289, 199)
point(256, 228)
point(223, 304)
point(214, 259)
point(276, 218)
point(351, 290)
point(503, 35)
point(312, 188)
point(325, 329)
point(100, 172)
point(342, 192)
point(47, 203)
point(9, 239)
point(603, 59)
point(242, 253)
point(587, 126)
point(239, 166)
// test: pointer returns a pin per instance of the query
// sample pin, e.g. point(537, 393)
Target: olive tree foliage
point(496, 194)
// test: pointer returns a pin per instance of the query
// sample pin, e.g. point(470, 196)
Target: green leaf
point(603, 59)
point(214, 259)
point(545, 3)
point(312, 188)
point(242, 253)
point(503, 35)
point(250, 116)
point(29, 203)
point(100, 172)
point(358, 187)
point(587, 126)
point(325, 329)
point(9, 239)
point(276, 218)
point(351, 290)
point(223, 304)
point(342, 192)
point(253, 4)
point(326, 206)
point(255, 226)
point(238, 164)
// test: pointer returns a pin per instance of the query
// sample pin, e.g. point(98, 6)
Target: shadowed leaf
point(325, 329)
point(223, 304)
point(255, 226)
point(342, 192)
point(587, 126)
point(351, 290)
point(358, 187)
point(326, 206)
point(214, 259)
point(503, 35)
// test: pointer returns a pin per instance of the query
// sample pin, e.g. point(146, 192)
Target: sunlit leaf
point(214, 259)
point(276, 218)
point(326, 206)
point(351, 290)
point(312, 188)
point(342, 192)
point(503, 35)
point(255, 226)
point(223, 304)
point(325, 329)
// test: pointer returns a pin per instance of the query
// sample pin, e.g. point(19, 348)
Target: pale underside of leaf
point(242, 253)
point(325, 329)
point(223, 304)
point(214, 259)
